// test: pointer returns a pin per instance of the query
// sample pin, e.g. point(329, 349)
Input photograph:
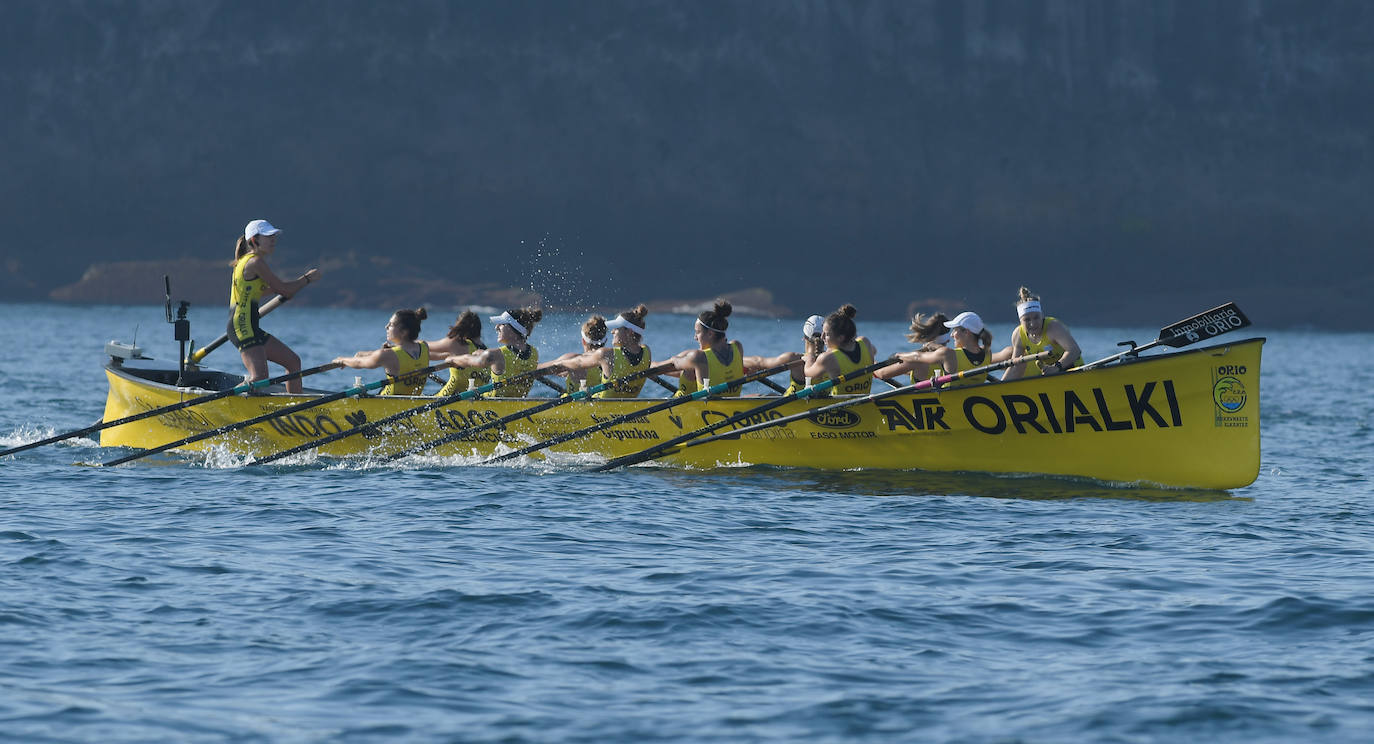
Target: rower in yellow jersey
point(464, 337)
point(930, 332)
point(402, 357)
point(582, 369)
point(252, 276)
point(1037, 332)
point(846, 352)
point(515, 356)
point(627, 356)
point(717, 359)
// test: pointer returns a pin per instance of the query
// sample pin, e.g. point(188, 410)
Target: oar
point(288, 410)
point(409, 412)
point(200, 353)
point(671, 444)
point(243, 388)
point(665, 405)
point(677, 444)
point(670, 387)
point(1200, 327)
point(576, 395)
point(551, 385)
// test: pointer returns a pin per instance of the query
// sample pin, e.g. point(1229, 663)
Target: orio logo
point(1229, 394)
point(837, 419)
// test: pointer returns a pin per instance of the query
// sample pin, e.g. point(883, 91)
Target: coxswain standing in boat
point(930, 332)
point(515, 356)
point(717, 359)
point(1035, 333)
point(251, 277)
point(846, 352)
point(628, 355)
point(402, 357)
point(464, 337)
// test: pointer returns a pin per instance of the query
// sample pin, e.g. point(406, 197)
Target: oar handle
point(200, 353)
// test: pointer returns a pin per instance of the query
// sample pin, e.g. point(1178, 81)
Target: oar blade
point(1212, 323)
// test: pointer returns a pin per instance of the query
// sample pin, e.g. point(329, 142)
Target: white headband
point(593, 342)
point(506, 318)
point(619, 321)
point(942, 339)
point(1029, 306)
point(709, 328)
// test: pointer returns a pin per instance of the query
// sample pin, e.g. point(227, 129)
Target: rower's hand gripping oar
point(1200, 327)
point(518, 415)
point(716, 389)
point(677, 445)
point(810, 390)
point(408, 413)
point(200, 353)
point(238, 389)
point(288, 410)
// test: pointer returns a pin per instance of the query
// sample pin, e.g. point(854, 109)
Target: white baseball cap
point(813, 326)
point(259, 227)
point(966, 320)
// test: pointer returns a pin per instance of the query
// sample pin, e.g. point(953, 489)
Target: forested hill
point(1134, 161)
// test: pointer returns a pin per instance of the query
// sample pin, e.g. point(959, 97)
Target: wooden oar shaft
point(288, 410)
point(665, 405)
point(820, 387)
point(914, 387)
point(200, 353)
point(101, 426)
point(379, 423)
point(518, 415)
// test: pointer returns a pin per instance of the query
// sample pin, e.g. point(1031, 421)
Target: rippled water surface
point(189, 600)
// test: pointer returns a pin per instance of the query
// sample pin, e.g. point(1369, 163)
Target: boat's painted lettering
point(711, 417)
point(1076, 413)
point(1023, 412)
point(999, 419)
point(1140, 405)
point(1107, 414)
point(1026, 414)
point(454, 419)
point(1231, 369)
point(621, 435)
point(1049, 413)
point(836, 419)
point(925, 414)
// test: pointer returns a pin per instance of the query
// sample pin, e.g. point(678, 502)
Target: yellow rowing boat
point(1188, 418)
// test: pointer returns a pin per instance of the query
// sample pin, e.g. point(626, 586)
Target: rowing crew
point(833, 347)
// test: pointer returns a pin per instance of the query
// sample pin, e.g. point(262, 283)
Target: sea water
point(186, 599)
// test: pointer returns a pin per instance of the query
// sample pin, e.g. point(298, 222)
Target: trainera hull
point(1188, 419)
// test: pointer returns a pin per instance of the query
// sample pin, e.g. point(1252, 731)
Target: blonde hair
point(595, 329)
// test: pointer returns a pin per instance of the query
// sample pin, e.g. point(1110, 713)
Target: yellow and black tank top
point(405, 364)
point(243, 300)
point(963, 361)
point(516, 364)
point(593, 379)
point(460, 378)
point(718, 371)
point(851, 362)
point(623, 363)
point(1018, 335)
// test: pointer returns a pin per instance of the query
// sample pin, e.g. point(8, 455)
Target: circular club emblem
point(1229, 394)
